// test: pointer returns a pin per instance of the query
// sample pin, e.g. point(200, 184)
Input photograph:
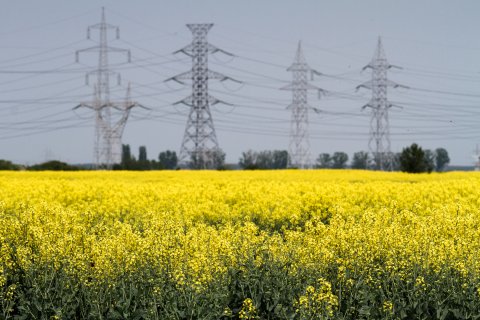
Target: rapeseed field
point(289, 244)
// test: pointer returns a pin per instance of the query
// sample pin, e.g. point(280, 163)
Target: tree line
point(411, 159)
point(166, 160)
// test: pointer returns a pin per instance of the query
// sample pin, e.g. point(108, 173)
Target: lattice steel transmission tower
point(110, 116)
point(200, 145)
point(299, 147)
point(476, 157)
point(117, 127)
point(379, 141)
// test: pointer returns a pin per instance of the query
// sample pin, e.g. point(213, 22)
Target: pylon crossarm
point(214, 49)
point(84, 105)
point(316, 110)
point(368, 105)
point(391, 105)
point(141, 106)
point(123, 107)
point(313, 73)
point(366, 85)
point(188, 101)
point(394, 66)
point(218, 76)
point(396, 85)
point(322, 92)
point(102, 25)
point(185, 50)
point(213, 101)
point(368, 66)
point(182, 76)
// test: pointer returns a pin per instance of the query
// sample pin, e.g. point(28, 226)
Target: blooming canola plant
point(329, 244)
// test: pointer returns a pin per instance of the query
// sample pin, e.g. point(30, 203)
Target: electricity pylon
point(476, 157)
point(299, 147)
point(118, 126)
point(200, 145)
point(110, 116)
point(379, 141)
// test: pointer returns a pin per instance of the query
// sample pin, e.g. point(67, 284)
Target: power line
point(8, 61)
point(27, 134)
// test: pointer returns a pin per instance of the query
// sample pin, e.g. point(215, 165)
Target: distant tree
point(8, 165)
point(412, 159)
point(265, 159)
point(339, 160)
point(386, 161)
point(218, 157)
point(143, 163)
point(396, 161)
point(389, 162)
point(248, 160)
point(53, 165)
point(324, 160)
point(126, 154)
point(128, 161)
point(142, 154)
point(168, 160)
point(210, 159)
point(197, 161)
point(360, 160)
point(429, 159)
point(280, 159)
point(441, 159)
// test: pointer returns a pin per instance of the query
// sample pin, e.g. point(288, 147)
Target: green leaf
point(442, 314)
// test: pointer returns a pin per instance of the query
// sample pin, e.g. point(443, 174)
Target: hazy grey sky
point(436, 42)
